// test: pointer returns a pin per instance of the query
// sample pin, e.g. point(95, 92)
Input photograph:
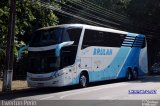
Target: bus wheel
point(135, 74)
point(83, 81)
point(129, 75)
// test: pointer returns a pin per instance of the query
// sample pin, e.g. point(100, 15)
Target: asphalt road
point(109, 90)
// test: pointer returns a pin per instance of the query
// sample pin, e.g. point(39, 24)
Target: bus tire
point(135, 74)
point(129, 75)
point(83, 80)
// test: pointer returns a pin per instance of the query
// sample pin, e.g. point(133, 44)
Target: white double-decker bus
point(79, 54)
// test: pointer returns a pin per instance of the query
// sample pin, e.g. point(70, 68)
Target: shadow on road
point(40, 91)
point(146, 79)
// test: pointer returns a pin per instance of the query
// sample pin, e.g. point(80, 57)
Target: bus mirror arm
point(21, 50)
point(63, 45)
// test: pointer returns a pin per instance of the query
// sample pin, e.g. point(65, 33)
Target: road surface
point(148, 88)
point(108, 93)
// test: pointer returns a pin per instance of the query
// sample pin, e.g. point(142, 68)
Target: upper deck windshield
point(46, 37)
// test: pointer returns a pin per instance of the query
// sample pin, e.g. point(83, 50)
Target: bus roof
point(86, 27)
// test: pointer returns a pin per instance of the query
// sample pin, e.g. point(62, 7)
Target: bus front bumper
point(46, 82)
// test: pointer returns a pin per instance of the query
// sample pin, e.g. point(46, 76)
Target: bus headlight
point(58, 73)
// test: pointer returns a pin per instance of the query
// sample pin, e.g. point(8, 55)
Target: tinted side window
point(113, 39)
point(100, 38)
point(93, 38)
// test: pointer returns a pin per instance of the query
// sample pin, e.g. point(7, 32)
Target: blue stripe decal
point(119, 64)
point(111, 71)
point(132, 60)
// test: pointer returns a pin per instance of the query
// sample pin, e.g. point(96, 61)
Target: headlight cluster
point(58, 73)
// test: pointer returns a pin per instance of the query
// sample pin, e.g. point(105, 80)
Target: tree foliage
point(30, 15)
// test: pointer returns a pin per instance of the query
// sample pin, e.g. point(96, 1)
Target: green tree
point(30, 15)
point(4, 12)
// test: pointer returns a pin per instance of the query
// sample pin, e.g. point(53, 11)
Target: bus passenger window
point(92, 38)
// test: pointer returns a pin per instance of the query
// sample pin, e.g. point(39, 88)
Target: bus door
point(85, 60)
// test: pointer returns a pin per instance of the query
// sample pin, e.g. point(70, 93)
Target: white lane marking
point(45, 98)
point(75, 93)
point(94, 89)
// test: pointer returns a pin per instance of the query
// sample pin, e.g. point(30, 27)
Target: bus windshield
point(47, 61)
point(43, 62)
point(46, 37)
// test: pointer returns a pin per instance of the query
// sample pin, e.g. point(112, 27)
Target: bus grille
point(41, 79)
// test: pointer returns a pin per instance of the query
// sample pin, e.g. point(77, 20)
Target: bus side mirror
point(21, 51)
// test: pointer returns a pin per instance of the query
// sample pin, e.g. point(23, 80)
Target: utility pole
point(8, 71)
